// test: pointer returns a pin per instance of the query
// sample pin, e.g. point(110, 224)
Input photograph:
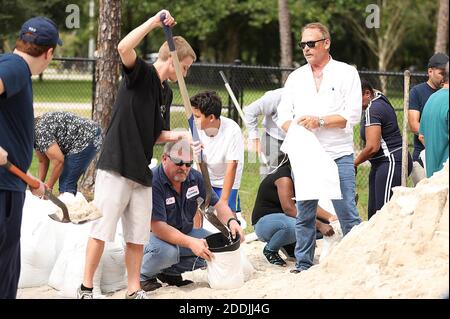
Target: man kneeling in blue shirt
point(174, 245)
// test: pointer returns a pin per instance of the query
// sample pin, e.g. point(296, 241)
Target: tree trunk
point(442, 28)
point(233, 48)
point(285, 38)
point(382, 66)
point(106, 77)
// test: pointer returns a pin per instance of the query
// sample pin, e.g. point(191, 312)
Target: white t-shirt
point(227, 145)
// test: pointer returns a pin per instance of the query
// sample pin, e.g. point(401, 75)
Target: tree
point(106, 75)
point(442, 27)
point(285, 37)
point(396, 19)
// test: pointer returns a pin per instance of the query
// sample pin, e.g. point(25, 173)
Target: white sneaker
point(84, 294)
point(140, 294)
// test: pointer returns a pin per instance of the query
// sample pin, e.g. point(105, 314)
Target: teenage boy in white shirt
point(223, 147)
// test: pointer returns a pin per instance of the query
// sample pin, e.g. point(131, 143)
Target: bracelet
point(233, 218)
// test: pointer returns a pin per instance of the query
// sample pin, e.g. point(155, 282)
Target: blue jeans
point(346, 211)
point(160, 256)
point(74, 166)
point(276, 229)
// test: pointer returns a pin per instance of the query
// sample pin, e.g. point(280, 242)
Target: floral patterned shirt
point(72, 133)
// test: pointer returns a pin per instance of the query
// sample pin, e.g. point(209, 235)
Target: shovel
point(35, 184)
point(208, 213)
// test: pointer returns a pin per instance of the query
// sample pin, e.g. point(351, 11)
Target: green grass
point(62, 91)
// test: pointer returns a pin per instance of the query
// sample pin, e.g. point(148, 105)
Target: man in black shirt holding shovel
point(124, 180)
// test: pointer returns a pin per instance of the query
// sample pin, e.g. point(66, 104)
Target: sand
point(402, 252)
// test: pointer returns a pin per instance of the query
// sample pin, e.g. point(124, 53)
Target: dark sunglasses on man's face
point(179, 162)
point(310, 44)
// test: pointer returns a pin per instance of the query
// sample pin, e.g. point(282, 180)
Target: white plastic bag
point(330, 242)
point(225, 270)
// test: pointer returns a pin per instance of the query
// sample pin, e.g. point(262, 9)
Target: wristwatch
point(321, 122)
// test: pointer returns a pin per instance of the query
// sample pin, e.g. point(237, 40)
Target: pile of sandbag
point(53, 253)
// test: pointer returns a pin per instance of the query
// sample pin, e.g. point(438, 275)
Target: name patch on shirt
point(170, 200)
point(192, 191)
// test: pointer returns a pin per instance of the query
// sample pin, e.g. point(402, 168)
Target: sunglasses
point(179, 162)
point(310, 44)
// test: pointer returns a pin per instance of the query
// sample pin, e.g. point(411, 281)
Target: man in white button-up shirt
point(324, 96)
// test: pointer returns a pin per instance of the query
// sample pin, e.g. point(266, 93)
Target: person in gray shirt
point(271, 139)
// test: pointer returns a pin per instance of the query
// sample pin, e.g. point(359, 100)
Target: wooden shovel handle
point(33, 183)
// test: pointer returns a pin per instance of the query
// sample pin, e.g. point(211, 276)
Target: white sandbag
point(330, 242)
point(38, 253)
point(114, 275)
point(247, 267)
point(225, 270)
point(68, 272)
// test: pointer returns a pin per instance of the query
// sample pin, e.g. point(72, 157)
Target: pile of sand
point(402, 252)
point(80, 211)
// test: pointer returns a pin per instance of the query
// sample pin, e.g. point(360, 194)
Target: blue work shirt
point(16, 118)
point(178, 210)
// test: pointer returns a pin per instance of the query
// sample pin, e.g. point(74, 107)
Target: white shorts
point(119, 197)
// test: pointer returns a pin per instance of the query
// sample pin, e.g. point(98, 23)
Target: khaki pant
point(117, 198)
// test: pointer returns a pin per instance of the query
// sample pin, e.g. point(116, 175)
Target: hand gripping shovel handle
point(212, 218)
point(35, 184)
point(187, 105)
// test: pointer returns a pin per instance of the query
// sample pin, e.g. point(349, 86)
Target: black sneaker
point(288, 251)
point(273, 257)
point(150, 285)
point(174, 280)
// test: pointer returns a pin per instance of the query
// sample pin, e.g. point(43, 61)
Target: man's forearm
point(335, 121)
point(57, 167)
point(172, 136)
point(132, 39)
point(228, 181)
point(43, 169)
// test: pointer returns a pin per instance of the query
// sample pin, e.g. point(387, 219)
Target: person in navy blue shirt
point(383, 147)
point(175, 245)
point(418, 96)
point(33, 52)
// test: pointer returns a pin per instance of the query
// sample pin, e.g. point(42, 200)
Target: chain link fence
point(68, 84)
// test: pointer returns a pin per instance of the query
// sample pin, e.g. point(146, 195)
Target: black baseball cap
point(438, 60)
point(40, 31)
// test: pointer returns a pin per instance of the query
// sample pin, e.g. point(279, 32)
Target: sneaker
point(140, 294)
point(288, 251)
point(150, 285)
point(84, 294)
point(296, 271)
point(173, 280)
point(273, 257)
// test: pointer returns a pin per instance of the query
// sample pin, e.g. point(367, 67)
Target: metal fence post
point(407, 78)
